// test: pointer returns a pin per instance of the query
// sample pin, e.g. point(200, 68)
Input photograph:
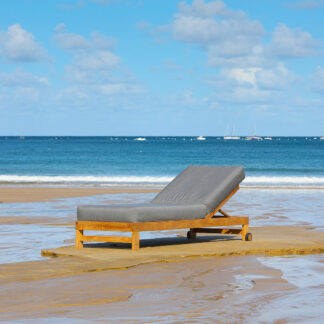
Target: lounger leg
point(192, 234)
point(245, 230)
point(78, 236)
point(135, 241)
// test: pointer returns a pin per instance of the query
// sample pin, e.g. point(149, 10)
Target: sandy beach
point(31, 194)
point(214, 277)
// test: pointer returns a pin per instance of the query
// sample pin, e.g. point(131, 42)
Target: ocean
point(147, 161)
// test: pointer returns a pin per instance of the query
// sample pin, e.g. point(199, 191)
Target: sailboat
point(232, 137)
point(201, 138)
point(254, 137)
point(322, 138)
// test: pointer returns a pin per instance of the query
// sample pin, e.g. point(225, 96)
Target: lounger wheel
point(248, 237)
point(188, 235)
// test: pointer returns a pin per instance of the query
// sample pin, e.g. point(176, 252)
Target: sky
point(162, 67)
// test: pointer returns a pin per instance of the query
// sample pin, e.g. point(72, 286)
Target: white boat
point(268, 138)
point(249, 138)
point(201, 138)
point(231, 137)
point(322, 138)
point(140, 139)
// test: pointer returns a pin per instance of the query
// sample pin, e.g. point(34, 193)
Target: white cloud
point(22, 79)
point(205, 31)
point(87, 54)
point(105, 2)
point(19, 45)
point(69, 41)
point(248, 62)
point(98, 60)
point(95, 71)
point(290, 43)
point(184, 98)
point(305, 4)
point(199, 7)
point(77, 5)
point(278, 78)
point(242, 76)
point(247, 57)
point(317, 80)
point(229, 37)
point(22, 89)
point(253, 95)
point(208, 9)
point(77, 75)
point(251, 85)
point(76, 42)
point(119, 88)
point(142, 25)
point(102, 42)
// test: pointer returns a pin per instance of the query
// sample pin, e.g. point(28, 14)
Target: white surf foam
point(249, 181)
point(82, 179)
point(284, 180)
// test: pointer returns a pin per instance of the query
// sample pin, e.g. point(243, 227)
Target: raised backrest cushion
point(208, 185)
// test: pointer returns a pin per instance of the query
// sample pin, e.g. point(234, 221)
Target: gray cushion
point(140, 212)
point(208, 185)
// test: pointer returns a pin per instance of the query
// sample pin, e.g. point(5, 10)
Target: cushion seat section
point(140, 212)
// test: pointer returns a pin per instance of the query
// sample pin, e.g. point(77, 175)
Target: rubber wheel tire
point(188, 235)
point(248, 237)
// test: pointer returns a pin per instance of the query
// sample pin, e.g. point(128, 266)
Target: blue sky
point(144, 67)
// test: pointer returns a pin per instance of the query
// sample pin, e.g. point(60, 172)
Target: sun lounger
point(191, 201)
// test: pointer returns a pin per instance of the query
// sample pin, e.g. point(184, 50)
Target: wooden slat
point(245, 230)
point(194, 223)
point(78, 239)
point(224, 213)
point(119, 239)
point(165, 225)
point(218, 230)
point(210, 215)
point(135, 241)
point(104, 226)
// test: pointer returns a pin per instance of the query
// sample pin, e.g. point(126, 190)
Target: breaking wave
point(250, 181)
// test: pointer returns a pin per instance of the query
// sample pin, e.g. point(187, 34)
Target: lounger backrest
point(208, 185)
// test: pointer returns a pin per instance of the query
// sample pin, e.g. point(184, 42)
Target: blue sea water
point(281, 161)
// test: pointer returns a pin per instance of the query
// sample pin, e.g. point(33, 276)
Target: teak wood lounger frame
point(195, 226)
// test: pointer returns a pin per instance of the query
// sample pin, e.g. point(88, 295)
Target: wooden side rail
point(192, 234)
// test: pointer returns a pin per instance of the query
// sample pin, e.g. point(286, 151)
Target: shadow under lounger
point(191, 201)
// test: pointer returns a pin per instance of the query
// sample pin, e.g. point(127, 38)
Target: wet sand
point(169, 280)
point(201, 290)
point(31, 194)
